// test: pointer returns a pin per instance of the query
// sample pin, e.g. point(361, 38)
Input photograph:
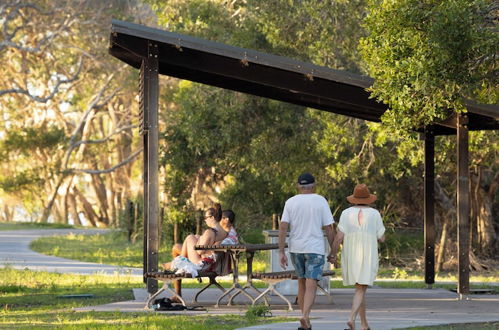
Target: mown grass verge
point(110, 248)
point(34, 300)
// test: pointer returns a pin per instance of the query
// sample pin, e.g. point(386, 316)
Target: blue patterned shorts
point(308, 265)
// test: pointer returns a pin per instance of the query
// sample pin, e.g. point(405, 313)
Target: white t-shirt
point(306, 215)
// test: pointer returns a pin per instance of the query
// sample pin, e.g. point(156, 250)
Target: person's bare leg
point(299, 298)
point(177, 285)
point(181, 249)
point(191, 238)
point(358, 299)
point(308, 300)
point(190, 242)
point(176, 250)
point(301, 293)
point(362, 314)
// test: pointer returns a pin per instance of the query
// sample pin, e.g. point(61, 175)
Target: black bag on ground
point(166, 304)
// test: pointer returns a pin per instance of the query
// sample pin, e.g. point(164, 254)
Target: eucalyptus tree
point(66, 110)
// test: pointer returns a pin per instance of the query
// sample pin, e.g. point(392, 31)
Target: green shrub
point(258, 311)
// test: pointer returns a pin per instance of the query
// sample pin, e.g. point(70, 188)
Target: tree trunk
point(441, 247)
point(90, 214)
point(73, 210)
point(175, 233)
point(58, 211)
point(101, 194)
point(275, 221)
point(129, 220)
point(486, 234)
point(66, 204)
point(448, 216)
point(484, 186)
point(199, 221)
point(113, 214)
point(117, 206)
point(475, 263)
point(8, 213)
point(48, 208)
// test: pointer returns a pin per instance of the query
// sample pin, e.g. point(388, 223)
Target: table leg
point(212, 282)
point(239, 290)
point(249, 273)
point(232, 288)
point(236, 286)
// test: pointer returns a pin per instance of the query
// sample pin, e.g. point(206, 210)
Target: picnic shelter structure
point(157, 52)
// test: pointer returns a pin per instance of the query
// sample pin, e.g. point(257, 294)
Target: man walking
point(306, 214)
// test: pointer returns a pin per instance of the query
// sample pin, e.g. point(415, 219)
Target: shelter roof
point(266, 75)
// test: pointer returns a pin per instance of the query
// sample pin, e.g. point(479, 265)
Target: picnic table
point(235, 252)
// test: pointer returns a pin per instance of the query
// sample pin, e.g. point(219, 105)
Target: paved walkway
point(15, 252)
point(387, 308)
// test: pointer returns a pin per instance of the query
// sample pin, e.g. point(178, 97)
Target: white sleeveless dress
point(359, 257)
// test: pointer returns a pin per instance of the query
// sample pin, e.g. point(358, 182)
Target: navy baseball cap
point(306, 178)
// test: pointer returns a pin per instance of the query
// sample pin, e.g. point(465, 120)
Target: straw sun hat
point(361, 195)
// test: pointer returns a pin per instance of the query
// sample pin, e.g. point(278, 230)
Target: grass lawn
point(110, 248)
point(34, 300)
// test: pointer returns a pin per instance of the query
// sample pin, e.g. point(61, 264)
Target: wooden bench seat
point(222, 267)
point(168, 277)
point(271, 279)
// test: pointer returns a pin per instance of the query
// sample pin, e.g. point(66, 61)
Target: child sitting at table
point(227, 222)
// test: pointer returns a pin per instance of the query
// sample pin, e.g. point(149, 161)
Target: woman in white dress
point(360, 228)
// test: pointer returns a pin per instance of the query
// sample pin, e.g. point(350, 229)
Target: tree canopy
point(429, 57)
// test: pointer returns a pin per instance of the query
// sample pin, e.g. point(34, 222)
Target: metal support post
point(429, 207)
point(463, 206)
